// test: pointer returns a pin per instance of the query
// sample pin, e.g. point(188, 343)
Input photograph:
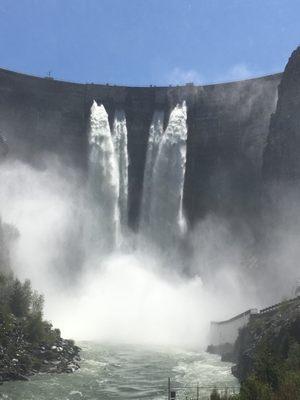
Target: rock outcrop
point(281, 161)
point(20, 357)
point(272, 333)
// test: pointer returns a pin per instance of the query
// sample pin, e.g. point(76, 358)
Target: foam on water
point(127, 372)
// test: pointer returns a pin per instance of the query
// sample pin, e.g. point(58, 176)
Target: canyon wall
point(281, 155)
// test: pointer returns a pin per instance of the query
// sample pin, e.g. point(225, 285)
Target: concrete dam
point(232, 148)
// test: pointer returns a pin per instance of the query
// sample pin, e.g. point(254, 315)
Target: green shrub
point(289, 388)
point(254, 389)
point(57, 333)
point(215, 395)
point(293, 360)
point(37, 303)
point(25, 361)
point(36, 363)
point(35, 328)
point(267, 366)
point(274, 377)
point(20, 298)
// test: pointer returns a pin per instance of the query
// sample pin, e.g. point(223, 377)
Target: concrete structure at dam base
point(223, 333)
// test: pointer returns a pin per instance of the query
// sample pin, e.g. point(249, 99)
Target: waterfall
point(155, 135)
point(103, 181)
point(162, 211)
point(165, 188)
point(120, 145)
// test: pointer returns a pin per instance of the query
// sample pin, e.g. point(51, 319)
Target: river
point(127, 372)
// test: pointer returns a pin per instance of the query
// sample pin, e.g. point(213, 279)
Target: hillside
point(28, 343)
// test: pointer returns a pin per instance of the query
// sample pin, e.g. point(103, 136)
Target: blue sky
point(146, 42)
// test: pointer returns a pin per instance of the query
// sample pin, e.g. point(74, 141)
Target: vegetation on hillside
point(19, 302)
point(28, 343)
point(268, 357)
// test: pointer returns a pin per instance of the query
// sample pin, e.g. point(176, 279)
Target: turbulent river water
point(127, 372)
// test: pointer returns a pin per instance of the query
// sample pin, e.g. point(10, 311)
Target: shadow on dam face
point(227, 129)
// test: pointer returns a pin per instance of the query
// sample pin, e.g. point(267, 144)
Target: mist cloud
point(134, 294)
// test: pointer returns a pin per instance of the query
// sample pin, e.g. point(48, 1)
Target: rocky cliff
point(276, 332)
point(267, 352)
point(267, 355)
point(281, 161)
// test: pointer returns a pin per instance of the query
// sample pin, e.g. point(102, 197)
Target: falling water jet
point(155, 135)
point(103, 183)
point(119, 135)
point(166, 162)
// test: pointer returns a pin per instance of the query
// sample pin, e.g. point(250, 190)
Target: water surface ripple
point(126, 372)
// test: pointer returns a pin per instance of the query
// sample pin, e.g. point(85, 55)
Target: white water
point(155, 136)
point(103, 182)
point(127, 298)
point(166, 219)
point(111, 372)
point(123, 297)
point(132, 294)
point(120, 145)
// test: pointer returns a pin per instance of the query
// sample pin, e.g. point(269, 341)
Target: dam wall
point(228, 127)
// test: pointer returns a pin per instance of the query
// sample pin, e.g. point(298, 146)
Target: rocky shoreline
point(28, 343)
point(20, 358)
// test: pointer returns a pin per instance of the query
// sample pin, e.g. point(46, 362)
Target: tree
point(37, 303)
point(20, 298)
